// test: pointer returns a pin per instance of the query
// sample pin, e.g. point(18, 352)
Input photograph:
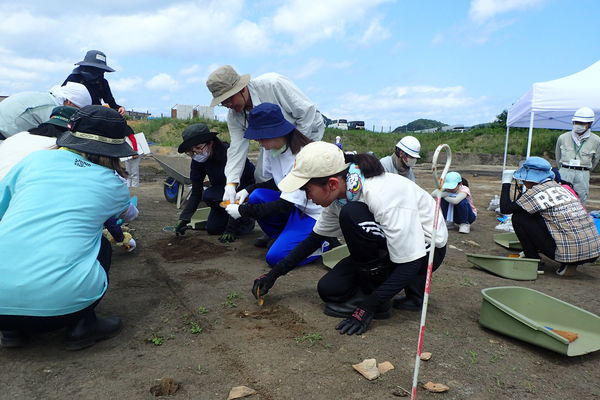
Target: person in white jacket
point(240, 94)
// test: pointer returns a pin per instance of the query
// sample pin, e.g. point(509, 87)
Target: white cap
point(584, 114)
point(75, 92)
point(410, 145)
point(315, 160)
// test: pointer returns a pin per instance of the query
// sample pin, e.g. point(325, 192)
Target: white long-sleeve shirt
point(295, 106)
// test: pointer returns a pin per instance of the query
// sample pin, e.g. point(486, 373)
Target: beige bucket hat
point(224, 82)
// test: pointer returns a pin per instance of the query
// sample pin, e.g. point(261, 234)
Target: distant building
point(137, 115)
point(187, 111)
point(453, 128)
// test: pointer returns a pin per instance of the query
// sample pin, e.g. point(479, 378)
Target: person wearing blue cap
point(457, 203)
point(548, 219)
point(287, 219)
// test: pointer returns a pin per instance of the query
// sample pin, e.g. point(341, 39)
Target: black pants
point(368, 250)
point(533, 235)
point(218, 217)
point(32, 324)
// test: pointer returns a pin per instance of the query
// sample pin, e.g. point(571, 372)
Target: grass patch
point(309, 338)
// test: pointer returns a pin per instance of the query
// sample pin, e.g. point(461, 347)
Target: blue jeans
point(463, 213)
point(289, 229)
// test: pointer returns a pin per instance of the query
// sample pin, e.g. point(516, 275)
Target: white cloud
point(163, 82)
point(192, 69)
point(374, 33)
point(308, 21)
point(312, 66)
point(126, 84)
point(483, 10)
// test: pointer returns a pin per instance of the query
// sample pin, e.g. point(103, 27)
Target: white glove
point(233, 211)
point(130, 246)
point(229, 194)
point(241, 196)
point(507, 175)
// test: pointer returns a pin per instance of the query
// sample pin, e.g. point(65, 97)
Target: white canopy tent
point(552, 104)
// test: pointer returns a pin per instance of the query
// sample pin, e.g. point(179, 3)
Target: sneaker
point(450, 225)
point(84, 335)
point(262, 241)
point(566, 270)
point(540, 269)
point(464, 228)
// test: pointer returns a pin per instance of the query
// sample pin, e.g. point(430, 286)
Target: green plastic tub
point(508, 240)
point(519, 269)
point(526, 314)
point(333, 256)
point(199, 218)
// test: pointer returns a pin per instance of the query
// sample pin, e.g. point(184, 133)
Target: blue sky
point(382, 61)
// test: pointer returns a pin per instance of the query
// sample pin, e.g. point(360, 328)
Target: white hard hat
point(410, 145)
point(584, 114)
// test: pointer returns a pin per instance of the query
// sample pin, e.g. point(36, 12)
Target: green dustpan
point(520, 269)
point(534, 317)
point(199, 218)
point(508, 240)
point(335, 255)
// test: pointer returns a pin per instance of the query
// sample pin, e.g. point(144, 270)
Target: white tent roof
point(553, 103)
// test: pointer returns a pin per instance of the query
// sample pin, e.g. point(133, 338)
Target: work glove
point(229, 194)
point(357, 324)
point(130, 245)
point(181, 227)
point(227, 237)
point(264, 283)
point(241, 196)
point(507, 175)
point(233, 211)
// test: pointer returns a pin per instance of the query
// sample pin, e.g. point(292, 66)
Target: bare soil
point(189, 317)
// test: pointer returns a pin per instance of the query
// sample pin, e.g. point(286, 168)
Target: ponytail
point(368, 164)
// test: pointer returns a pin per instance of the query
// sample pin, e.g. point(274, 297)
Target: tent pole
point(505, 148)
point(530, 135)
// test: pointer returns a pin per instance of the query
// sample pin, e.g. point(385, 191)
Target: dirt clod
point(435, 387)
point(425, 356)
point(368, 369)
point(240, 391)
point(165, 387)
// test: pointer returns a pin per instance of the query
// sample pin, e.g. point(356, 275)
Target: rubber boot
point(13, 339)
point(88, 331)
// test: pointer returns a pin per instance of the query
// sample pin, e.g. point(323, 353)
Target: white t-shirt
point(18, 146)
point(404, 211)
point(277, 168)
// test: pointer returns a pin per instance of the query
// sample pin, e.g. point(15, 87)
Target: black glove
point(358, 323)
point(181, 227)
point(265, 282)
point(227, 237)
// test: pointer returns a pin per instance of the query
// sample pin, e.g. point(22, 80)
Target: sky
point(386, 62)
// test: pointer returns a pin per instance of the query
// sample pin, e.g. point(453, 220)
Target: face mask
point(579, 129)
point(278, 152)
point(201, 157)
point(410, 162)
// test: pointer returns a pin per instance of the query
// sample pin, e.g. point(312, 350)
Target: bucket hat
point(193, 135)
point(266, 121)
point(452, 180)
point(61, 115)
point(224, 82)
point(98, 130)
point(534, 169)
point(95, 58)
point(315, 160)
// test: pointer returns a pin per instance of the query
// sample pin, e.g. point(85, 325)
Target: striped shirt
point(569, 224)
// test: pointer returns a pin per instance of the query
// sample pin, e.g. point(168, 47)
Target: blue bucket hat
point(266, 121)
point(452, 180)
point(534, 169)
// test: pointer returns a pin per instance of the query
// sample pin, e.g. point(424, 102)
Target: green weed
point(310, 338)
point(195, 328)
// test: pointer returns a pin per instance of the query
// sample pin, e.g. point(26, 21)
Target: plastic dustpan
point(535, 317)
point(199, 218)
point(335, 255)
point(520, 269)
point(508, 240)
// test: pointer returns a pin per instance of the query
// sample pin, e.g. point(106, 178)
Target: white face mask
point(278, 152)
point(201, 157)
point(579, 129)
point(410, 162)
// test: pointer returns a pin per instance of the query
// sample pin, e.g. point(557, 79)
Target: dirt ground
point(188, 315)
